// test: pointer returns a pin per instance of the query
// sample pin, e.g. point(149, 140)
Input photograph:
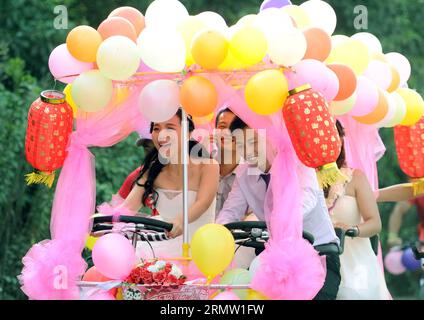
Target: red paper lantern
point(50, 121)
point(410, 151)
point(313, 133)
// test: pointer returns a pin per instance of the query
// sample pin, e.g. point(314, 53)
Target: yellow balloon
point(414, 106)
point(353, 53)
point(255, 295)
point(203, 120)
point(70, 100)
point(209, 49)
point(249, 45)
point(91, 241)
point(266, 92)
point(299, 15)
point(212, 249)
point(231, 63)
point(188, 28)
point(248, 20)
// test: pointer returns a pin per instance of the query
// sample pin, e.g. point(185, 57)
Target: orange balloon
point(378, 113)
point(117, 26)
point(210, 49)
point(395, 79)
point(347, 80)
point(132, 15)
point(93, 275)
point(198, 96)
point(83, 43)
point(319, 44)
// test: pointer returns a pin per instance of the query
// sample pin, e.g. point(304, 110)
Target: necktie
point(266, 178)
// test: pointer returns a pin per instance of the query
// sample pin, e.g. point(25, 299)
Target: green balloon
point(237, 276)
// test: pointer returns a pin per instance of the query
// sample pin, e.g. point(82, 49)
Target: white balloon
point(391, 113)
point(159, 100)
point(370, 40)
point(338, 39)
point(273, 20)
point(402, 65)
point(287, 47)
point(118, 58)
point(213, 21)
point(165, 14)
point(254, 266)
point(380, 73)
point(163, 50)
point(400, 110)
point(322, 15)
point(339, 108)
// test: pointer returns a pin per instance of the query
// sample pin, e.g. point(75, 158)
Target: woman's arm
point(367, 206)
point(395, 222)
point(396, 193)
point(133, 200)
point(208, 187)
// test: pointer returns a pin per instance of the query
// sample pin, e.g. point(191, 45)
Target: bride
point(160, 183)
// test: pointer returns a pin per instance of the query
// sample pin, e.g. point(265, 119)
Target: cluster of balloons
point(398, 261)
point(352, 73)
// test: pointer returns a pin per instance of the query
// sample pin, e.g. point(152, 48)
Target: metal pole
point(185, 158)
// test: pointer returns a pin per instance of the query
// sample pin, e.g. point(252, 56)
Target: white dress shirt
point(249, 190)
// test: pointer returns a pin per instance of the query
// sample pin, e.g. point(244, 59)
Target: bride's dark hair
point(341, 160)
point(153, 165)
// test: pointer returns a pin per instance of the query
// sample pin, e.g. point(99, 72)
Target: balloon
point(379, 56)
point(391, 103)
point(131, 14)
point(378, 113)
point(203, 120)
point(319, 44)
point(162, 50)
point(165, 14)
point(272, 20)
point(316, 74)
point(370, 40)
point(402, 65)
point(62, 65)
point(367, 97)
point(409, 261)
point(213, 21)
point(226, 295)
point(274, 4)
point(114, 256)
point(70, 100)
point(414, 106)
point(298, 15)
point(400, 110)
point(255, 295)
point(249, 45)
point(393, 262)
point(231, 63)
point(248, 20)
point(255, 266)
point(117, 26)
point(338, 39)
point(395, 79)
point(322, 15)
point(83, 42)
point(198, 96)
point(287, 47)
point(91, 241)
point(188, 28)
point(341, 107)
point(347, 81)
point(212, 249)
point(118, 58)
point(380, 73)
point(237, 276)
point(93, 275)
point(266, 92)
point(352, 53)
point(159, 100)
point(209, 49)
point(92, 91)
point(101, 295)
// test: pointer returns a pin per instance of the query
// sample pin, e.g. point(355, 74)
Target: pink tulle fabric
point(115, 208)
point(51, 269)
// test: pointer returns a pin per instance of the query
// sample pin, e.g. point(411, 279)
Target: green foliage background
point(28, 37)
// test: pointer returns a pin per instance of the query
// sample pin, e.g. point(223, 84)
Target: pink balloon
point(402, 65)
point(101, 295)
point(226, 295)
point(380, 73)
point(62, 64)
point(315, 73)
point(367, 97)
point(393, 262)
point(114, 256)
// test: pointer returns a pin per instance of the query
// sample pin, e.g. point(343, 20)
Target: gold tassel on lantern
point(418, 187)
point(46, 178)
point(329, 174)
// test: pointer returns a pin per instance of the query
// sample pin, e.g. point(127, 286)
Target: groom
point(249, 190)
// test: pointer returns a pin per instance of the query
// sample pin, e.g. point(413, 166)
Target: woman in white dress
point(160, 185)
point(352, 205)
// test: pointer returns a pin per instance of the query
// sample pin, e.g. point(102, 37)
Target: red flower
point(159, 277)
point(168, 268)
